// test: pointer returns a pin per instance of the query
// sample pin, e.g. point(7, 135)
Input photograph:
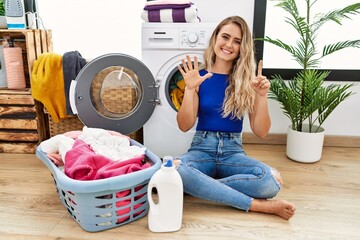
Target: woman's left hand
point(261, 84)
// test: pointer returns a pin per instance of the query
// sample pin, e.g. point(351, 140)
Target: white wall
point(94, 27)
point(98, 27)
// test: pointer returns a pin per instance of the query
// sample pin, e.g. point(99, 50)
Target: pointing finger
point(260, 66)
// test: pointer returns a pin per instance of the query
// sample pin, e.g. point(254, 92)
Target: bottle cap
point(169, 163)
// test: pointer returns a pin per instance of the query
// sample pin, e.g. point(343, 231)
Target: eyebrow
point(230, 36)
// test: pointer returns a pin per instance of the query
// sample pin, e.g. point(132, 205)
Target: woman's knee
point(271, 186)
point(277, 176)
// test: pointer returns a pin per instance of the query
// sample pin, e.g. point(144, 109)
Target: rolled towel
point(168, 15)
point(161, 2)
point(166, 6)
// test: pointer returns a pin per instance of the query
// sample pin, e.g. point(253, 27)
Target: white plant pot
point(304, 146)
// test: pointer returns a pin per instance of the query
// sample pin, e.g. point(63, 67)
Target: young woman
point(216, 167)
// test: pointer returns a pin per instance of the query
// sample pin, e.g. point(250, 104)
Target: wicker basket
point(119, 100)
point(107, 203)
point(65, 125)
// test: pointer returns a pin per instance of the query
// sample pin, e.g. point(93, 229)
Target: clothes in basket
point(117, 196)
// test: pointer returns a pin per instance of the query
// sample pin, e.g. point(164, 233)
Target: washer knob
point(193, 37)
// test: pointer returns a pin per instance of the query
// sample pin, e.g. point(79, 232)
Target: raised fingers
point(181, 70)
point(196, 66)
point(189, 63)
point(184, 65)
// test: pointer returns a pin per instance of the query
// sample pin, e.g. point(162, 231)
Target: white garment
point(57, 144)
point(114, 147)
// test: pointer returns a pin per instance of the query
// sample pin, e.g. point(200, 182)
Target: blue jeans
point(216, 168)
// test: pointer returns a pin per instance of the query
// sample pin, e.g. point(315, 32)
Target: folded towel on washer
point(167, 6)
point(161, 2)
point(170, 13)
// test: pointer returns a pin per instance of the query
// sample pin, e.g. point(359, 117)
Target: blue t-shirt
point(211, 97)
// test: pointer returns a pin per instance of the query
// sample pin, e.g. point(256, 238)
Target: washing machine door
point(114, 92)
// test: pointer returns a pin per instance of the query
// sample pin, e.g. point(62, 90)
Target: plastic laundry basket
point(106, 203)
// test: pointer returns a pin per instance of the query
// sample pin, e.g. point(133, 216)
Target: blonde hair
point(239, 95)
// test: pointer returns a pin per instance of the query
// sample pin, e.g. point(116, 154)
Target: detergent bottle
point(165, 212)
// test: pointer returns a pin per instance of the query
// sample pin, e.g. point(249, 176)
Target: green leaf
point(336, 15)
point(281, 44)
point(334, 95)
point(331, 48)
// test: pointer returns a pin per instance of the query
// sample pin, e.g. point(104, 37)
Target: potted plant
point(304, 99)
point(3, 22)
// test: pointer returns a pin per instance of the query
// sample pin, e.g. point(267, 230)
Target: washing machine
point(121, 93)
point(163, 47)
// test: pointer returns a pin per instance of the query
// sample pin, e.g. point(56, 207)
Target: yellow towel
point(177, 97)
point(47, 84)
point(181, 84)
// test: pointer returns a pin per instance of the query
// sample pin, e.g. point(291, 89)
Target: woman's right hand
point(191, 74)
point(187, 114)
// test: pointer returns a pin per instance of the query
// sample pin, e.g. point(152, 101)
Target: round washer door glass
point(115, 92)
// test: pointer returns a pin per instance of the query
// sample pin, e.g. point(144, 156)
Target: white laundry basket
point(107, 203)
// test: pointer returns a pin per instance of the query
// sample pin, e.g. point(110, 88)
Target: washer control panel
point(194, 38)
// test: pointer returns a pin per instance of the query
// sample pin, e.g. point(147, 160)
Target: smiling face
point(227, 44)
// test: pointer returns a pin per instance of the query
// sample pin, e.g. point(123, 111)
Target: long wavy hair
point(239, 95)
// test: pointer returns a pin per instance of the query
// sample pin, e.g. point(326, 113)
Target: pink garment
point(73, 134)
point(56, 159)
point(81, 163)
point(123, 203)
